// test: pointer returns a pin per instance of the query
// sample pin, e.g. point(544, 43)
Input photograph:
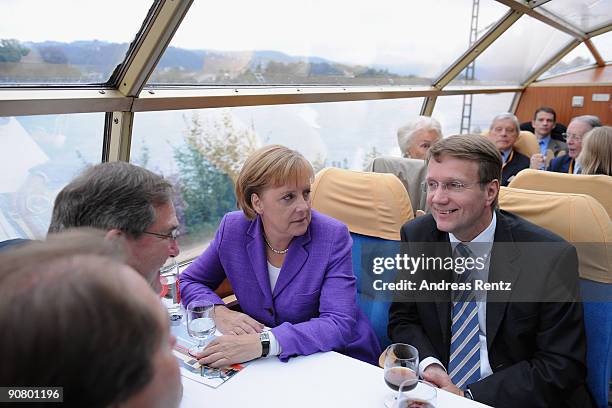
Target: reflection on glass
point(518, 52)
point(577, 58)
point(38, 156)
point(87, 40)
point(586, 15)
point(603, 43)
point(202, 151)
point(320, 42)
point(484, 109)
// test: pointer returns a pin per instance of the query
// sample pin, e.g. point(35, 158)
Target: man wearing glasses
point(126, 201)
point(576, 130)
point(520, 343)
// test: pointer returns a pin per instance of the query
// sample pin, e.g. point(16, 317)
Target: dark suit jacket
point(518, 163)
point(536, 350)
point(560, 164)
point(556, 146)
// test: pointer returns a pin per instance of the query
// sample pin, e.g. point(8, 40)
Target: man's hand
point(436, 375)
point(230, 322)
point(227, 350)
point(537, 161)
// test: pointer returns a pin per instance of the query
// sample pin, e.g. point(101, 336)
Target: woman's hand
point(230, 322)
point(227, 350)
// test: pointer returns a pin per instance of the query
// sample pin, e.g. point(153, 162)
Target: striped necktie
point(464, 362)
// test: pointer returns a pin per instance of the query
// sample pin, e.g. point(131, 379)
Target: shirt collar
point(505, 154)
point(544, 141)
point(485, 237)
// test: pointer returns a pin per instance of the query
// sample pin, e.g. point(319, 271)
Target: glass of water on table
point(200, 323)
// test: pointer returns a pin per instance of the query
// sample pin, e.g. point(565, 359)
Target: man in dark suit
point(504, 132)
point(576, 130)
point(521, 345)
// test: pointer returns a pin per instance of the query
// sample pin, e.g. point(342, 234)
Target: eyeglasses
point(451, 186)
point(173, 235)
point(572, 136)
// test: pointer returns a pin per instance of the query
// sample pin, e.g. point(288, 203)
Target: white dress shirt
point(481, 250)
point(275, 347)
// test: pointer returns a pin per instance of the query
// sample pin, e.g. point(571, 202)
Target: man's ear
point(114, 234)
point(492, 190)
point(256, 203)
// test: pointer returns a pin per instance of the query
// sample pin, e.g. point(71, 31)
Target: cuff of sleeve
point(427, 362)
point(275, 347)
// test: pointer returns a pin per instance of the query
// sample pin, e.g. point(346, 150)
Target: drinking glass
point(200, 323)
point(170, 294)
point(414, 393)
point(401, 364)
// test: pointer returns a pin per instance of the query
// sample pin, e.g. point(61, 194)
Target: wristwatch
point(264, 337)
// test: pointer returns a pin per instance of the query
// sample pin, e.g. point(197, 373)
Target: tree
point(12, 51)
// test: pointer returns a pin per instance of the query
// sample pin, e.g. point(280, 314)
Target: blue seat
point(598, 324)
point(374, 206)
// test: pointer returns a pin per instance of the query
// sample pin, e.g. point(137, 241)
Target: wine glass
point(200, 323)
point(415, 393)
point(401, 364)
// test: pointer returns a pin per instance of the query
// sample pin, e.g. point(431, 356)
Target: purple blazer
point(313, 306)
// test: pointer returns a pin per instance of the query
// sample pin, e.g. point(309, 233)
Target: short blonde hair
point(269, 166)
point(596, 154)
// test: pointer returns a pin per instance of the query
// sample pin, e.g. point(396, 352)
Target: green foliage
point(12, 51)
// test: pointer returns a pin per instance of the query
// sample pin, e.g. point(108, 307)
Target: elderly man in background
point(543, 123)
point(503, 133)
point(576, 130)
point(417, 136)
point(126, 201)
point(73, 324)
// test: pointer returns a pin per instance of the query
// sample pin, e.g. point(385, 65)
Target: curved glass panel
point(603, 43)
point(38, 156)
point(577, 58)
point(484, 108)
point(319, 42)
point(518, 52)
point(202, 151)
point(66, 41)
point(586, 15)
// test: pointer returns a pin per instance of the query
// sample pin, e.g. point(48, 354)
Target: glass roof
point(586, 15)
point(577, 58)
point(65, 41)
point(319, 42)
point(518, 52)
point(603, 43)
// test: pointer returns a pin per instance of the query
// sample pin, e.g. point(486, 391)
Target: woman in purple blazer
point(290, 268)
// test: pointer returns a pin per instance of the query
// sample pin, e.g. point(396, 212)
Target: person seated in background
point(417, 136)
point(543, 122)
point(126, 201)
point(596, 155)
point(504, 132)
point(70, 322)
point(522, 346)
point(576, 130)
point(557, 132)
point(290, 268)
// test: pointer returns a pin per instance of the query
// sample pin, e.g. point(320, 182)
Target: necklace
point(276, 251)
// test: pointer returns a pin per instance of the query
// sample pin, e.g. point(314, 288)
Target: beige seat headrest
point(374, 204)
point(527, 143)
point(578, 218)
point(597, 186)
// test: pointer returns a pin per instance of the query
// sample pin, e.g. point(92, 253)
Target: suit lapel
point(294, 260)
point(257, 257)
point(502, 267)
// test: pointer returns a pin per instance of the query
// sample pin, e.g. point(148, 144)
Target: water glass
point(200, 323)
point(414, 393)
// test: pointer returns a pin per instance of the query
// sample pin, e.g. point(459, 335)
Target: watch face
point(264, 336)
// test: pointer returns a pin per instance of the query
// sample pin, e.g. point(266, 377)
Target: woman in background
point(416, 137)
point(290, 268)
point(596, 154)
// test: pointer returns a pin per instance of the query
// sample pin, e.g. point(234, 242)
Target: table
point(319, 380)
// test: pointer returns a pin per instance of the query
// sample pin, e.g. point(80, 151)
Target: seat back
point(598, 326)
point(411, 173)
point(527, 143)
point(374, 206)
point(597, 186)
point(578, 218)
